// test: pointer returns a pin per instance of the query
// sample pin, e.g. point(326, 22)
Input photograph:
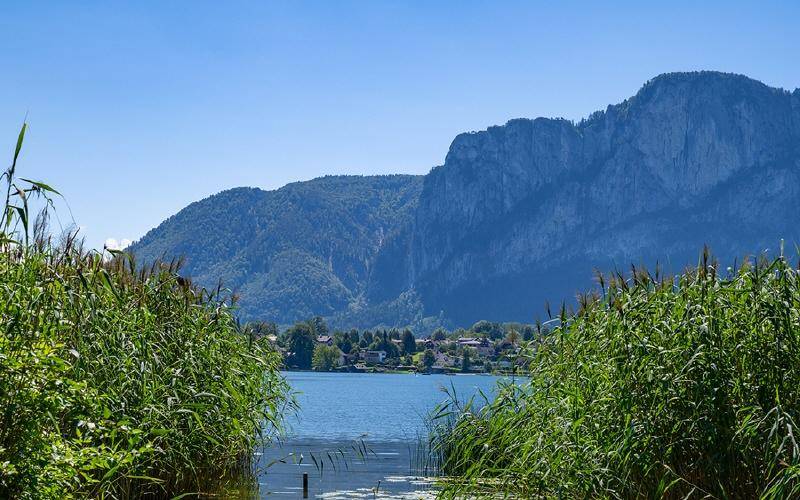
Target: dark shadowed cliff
point(518, 214)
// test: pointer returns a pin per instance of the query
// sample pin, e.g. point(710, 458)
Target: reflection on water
point(355, 434)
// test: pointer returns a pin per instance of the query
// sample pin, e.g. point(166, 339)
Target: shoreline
point(402, 372)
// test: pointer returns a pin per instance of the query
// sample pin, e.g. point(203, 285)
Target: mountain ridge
point(521, 213)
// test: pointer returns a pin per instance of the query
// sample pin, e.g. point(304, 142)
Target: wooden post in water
point(305, 484)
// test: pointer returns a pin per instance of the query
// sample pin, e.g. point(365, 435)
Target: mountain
point(298, 251)
point(518, 214)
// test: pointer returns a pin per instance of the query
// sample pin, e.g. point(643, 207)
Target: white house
point(375, 357)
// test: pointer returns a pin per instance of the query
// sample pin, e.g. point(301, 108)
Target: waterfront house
point(444, 360)
point(374, 357)
point(423, 344)
point(485, 348)
point(470, 343)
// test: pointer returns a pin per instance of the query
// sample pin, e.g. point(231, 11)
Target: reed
point(658, 387)
point(118, 380)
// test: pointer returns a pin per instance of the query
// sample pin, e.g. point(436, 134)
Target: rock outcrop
point(522, 213)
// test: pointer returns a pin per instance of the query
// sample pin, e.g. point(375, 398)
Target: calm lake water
point(363, 428)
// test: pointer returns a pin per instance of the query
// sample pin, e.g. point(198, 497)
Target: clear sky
point(138, 108)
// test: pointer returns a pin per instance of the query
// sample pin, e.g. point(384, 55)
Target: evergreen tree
point(439, 334)
point(409, 342)
point(301, 345)
point(342, 341)
point(367, 337)
point(318, 325)
point(428, 359)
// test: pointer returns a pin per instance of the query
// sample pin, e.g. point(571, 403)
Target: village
point(485, 347)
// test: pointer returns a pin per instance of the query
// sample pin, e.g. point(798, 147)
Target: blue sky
point(138, 108)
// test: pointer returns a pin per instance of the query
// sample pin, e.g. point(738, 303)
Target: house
point(443, 360)
point(470, 343)
point(374, 357)
point(486, 349)
point(325, 339)
point(423, 344)
point(350, 359)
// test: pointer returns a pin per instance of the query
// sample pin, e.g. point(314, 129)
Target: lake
point(363, 429)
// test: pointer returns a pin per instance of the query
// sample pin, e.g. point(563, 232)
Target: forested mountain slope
point(304, 249)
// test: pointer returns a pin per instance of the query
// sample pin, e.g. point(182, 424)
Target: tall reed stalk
point(118, 380)
point(659, 387)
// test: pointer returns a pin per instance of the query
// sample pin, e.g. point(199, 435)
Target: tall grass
point(115, 380)
point(659, 387)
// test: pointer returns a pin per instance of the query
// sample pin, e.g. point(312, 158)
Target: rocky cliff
point(523, 213)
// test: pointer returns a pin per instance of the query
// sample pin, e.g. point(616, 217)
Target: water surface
point(363, 428)
point(380, 407)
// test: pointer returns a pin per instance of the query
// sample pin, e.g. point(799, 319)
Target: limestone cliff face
point(522, 213)
point(516, 216)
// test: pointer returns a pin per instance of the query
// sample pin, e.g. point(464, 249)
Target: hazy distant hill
point(517, 215)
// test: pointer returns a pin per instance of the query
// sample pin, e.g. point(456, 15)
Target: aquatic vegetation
point(117, 381)
point(676, 387)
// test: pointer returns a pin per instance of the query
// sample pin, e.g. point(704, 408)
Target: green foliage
point(343, 342)
point(428, 359)
point(489, 329)
point(318, 325)
point(300, 342)
point(291, 253)
point(325, 358)
point(367, 337)
point(527, 333)
point(409, 342)
point(685, 388)
point(353, 336)
point(262, 328)
point(116, 381)
point(465, 361)
point(439, 334)
point(382, 342)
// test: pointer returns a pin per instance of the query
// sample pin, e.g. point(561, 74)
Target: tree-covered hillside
point(304, 249)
